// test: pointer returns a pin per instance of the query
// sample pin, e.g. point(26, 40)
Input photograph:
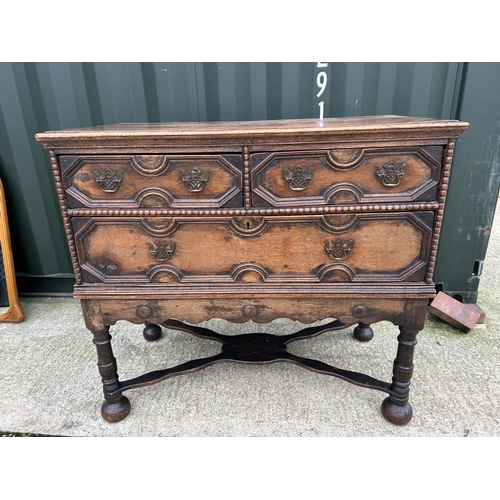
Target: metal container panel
point(39, 96)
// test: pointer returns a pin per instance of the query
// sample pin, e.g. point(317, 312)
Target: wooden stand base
point(243, 221)
point(257, 348)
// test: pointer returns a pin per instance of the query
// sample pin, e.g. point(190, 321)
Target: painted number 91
point(321, 81)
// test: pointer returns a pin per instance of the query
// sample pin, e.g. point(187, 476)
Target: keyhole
point(248, 225)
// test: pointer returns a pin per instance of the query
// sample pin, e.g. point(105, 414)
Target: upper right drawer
point(346, 176)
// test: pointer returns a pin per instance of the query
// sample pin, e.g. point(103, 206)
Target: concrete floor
point(49, 383)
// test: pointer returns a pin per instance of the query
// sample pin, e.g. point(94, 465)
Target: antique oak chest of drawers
point(173, 224)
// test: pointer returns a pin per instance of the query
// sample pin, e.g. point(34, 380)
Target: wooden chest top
point(253, 133)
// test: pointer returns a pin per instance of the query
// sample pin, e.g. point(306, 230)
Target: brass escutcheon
point(390, 175)
point(163, 251)
point(338, 249)
point(108, 180)
point(195, 180)
point(298, 178)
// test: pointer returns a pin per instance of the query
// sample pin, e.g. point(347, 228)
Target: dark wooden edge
point(333, 291)
point(253, 133)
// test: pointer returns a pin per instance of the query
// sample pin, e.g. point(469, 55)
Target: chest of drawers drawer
point(239, 250)
point(152, 181)
point(343, 176)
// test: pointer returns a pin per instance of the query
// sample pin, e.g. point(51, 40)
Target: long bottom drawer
point(352, 247)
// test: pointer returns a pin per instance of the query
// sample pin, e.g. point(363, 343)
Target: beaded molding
point(445, 178)
point(83, 212)
point(246, 178)
point(65, 215)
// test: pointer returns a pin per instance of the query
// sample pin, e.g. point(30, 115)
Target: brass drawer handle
point(108, 180)
point(338, 249)
point(162, 251)
point(390, 175)
point(298, 178)
point(195, 179)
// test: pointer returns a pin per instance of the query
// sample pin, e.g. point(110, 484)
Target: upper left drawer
point(152, 181)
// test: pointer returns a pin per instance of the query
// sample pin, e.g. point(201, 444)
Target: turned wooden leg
point(152, 332)
point(396, 407)
point(115, 407)
point(363, 332)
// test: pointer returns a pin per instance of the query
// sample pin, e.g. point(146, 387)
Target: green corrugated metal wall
point(474, 184)
point(36, 97)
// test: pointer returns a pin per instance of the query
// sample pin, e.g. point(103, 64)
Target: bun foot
point(152, 332)
point(396, 414)
point(114, 412)
point(363, 333)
